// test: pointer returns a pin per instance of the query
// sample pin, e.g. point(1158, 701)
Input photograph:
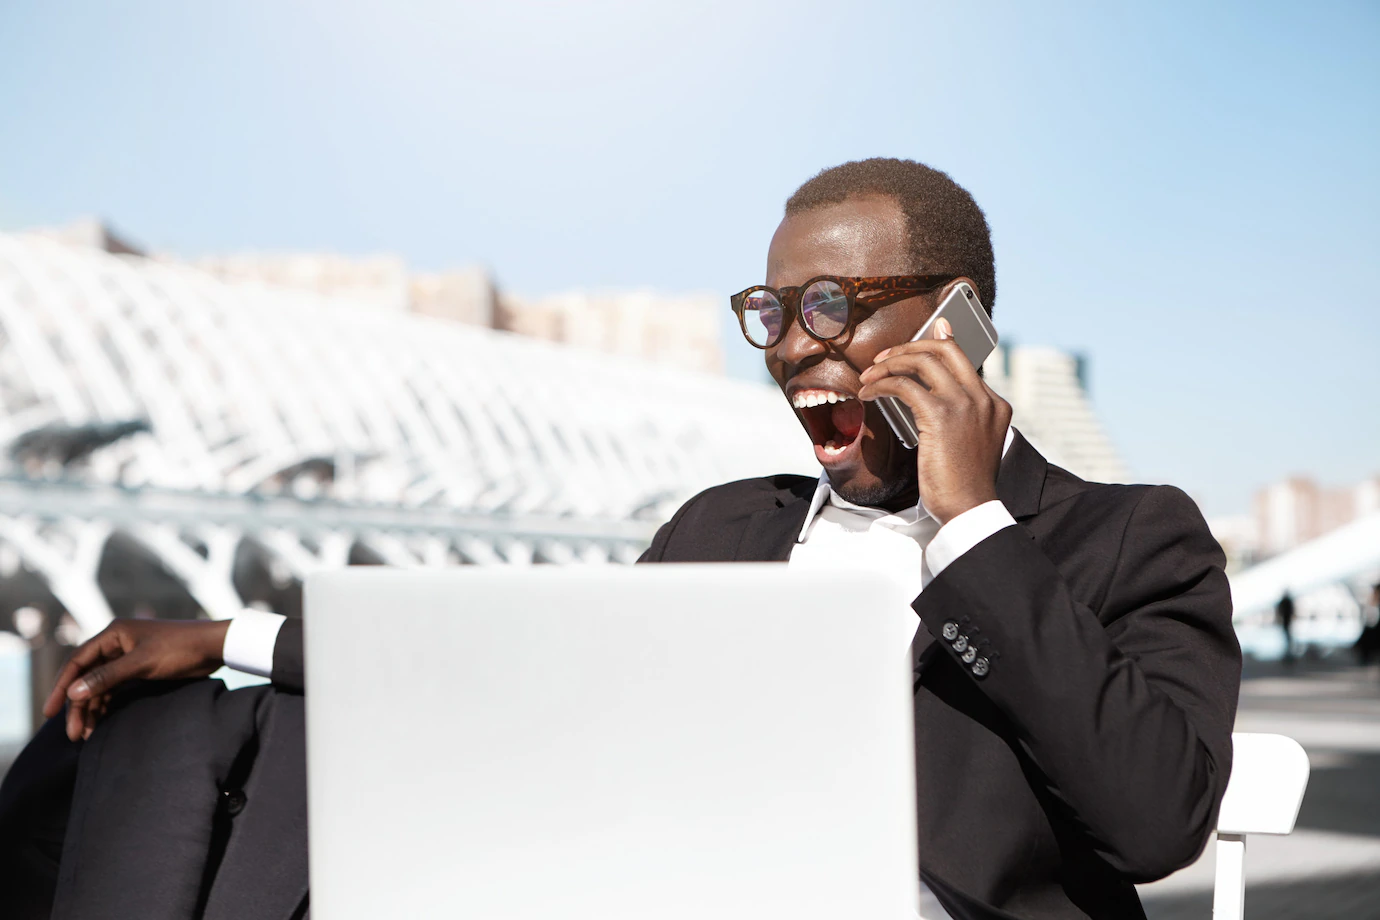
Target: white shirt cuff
point(249, 641)
point(963, 533)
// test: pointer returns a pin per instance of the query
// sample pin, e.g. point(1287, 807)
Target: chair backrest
point(1268, 776)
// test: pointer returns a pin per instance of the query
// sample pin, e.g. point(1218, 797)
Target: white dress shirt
point(908, 545)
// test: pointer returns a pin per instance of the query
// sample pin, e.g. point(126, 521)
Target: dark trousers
point(189, 801)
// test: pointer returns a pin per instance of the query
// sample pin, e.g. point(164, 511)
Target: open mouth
point(834, 421)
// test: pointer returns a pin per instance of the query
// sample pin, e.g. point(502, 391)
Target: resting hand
point(962, 421)
point(131, 650)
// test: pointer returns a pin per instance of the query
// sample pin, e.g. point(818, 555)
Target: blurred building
point(1048, 392)
point(676, 331)
point(1297, 509)
point(1291, 512)
point(1239, 535)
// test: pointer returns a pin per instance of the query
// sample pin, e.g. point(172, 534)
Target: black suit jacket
point(1094, 751)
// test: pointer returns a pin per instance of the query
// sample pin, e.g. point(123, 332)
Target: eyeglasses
point(826, 304)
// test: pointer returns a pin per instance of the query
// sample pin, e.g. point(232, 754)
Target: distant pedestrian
point(1368, 644)
point(1284, 616)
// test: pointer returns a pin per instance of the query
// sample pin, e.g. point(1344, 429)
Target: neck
point(907, 499)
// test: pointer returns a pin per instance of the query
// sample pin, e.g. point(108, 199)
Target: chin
point(869, 490)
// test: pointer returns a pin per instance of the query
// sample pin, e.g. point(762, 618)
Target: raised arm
point(1127, 709)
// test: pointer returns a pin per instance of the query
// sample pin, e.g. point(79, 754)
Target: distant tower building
point(1050, 405)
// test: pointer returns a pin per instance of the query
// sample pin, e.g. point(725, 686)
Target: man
point(1284, 616)
point(1076, 671)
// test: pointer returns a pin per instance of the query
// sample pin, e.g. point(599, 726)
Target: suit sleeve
point(1128, 710)
point(289, 669)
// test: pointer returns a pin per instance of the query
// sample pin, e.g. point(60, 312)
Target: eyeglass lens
point(762, 317)
point(824, 307)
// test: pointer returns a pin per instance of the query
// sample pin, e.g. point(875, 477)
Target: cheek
point(871, 338)
point(890, 327)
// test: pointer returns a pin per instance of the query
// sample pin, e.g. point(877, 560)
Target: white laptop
point(706, 741)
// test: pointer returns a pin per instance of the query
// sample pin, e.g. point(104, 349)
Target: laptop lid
point(615, 742)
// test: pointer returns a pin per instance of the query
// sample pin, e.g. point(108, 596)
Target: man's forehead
point(857, 236)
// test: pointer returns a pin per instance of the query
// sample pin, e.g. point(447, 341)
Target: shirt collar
point(823, 494)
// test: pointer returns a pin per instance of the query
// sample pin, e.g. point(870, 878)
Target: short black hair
point(948, 231)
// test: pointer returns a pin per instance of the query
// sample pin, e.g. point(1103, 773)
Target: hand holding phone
point(975, 335)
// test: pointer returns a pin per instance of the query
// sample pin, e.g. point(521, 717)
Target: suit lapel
point(770, 534)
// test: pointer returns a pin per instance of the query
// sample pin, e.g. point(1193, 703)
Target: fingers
point(102, 679)
point(927, 367)
point(94, 713)
point(82, 716)
point(109, 643)
point(76, 720)
point(53, 705)
point(920, 400)
point(937, 362)
point(88, 697)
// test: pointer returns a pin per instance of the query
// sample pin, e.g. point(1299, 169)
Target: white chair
point(1268, 776)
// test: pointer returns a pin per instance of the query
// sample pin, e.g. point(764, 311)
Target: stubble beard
point(875, 495)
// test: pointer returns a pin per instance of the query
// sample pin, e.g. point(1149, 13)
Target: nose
point(797, 347)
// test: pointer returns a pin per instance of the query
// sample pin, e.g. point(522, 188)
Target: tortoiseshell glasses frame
point(826, 305)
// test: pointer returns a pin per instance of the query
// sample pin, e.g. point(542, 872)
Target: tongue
point(848, 418)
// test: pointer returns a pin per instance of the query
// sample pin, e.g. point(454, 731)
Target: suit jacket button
point(950, 631)
point(969, 655)
point(981, 667)
point(233, 801)
point(961, 644)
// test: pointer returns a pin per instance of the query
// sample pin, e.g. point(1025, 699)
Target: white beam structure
point(312, 426)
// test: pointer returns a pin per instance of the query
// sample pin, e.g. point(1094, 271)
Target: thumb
point(107, 677)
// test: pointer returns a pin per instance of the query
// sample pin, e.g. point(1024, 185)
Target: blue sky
point(1190, 195)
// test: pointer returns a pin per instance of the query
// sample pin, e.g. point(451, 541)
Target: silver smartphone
point(976, 337)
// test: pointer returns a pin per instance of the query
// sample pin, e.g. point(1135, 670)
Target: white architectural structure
point(211, 426)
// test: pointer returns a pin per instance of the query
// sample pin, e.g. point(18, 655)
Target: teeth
point(805, 399)
point(832, 449)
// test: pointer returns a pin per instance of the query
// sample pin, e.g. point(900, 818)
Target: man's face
point(861, 236)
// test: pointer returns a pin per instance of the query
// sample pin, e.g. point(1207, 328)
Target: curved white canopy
point(150, 400)
point(1344, 555)
point(241, 383)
